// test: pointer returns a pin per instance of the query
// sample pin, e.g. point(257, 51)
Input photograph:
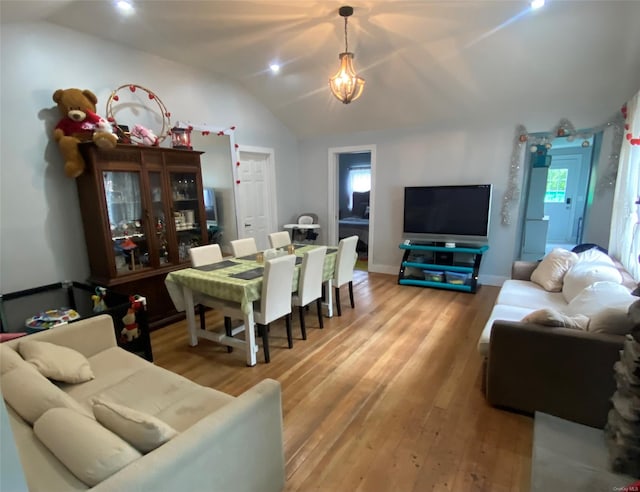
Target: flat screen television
point(458, 212)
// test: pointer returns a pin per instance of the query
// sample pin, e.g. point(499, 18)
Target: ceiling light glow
point(274, 67)
point(125, 7)
point(536, 4)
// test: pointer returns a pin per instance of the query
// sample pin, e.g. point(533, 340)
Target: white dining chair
point(275, 300)
point(310, 285)
point(343, 272)
point(244, 247)
point(207, 255)
point(279, 239)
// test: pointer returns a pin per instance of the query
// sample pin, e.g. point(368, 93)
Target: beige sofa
point(217, 442)
point(566, 372)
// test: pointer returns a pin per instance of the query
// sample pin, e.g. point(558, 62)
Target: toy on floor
point(131, 329)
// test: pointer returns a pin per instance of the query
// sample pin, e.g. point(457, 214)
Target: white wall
point(41, 237)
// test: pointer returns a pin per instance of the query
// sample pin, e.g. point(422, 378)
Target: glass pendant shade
point(346, 85)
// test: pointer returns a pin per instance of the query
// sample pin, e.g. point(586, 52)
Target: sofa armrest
point(89, 336)
point(239, 447)
point(522, 270)
point(561, 371)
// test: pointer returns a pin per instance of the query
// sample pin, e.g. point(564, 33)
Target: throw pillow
point(30, 394)
point(598, 297)
point(594, 255)
point(551, 317)
point(91, 452)
point(584, 273)
point(144, 432)
point(551, 270)
point(614, 320)
point(56, 362)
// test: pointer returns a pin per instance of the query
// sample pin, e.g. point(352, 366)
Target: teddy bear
point(130, 330)
point(79, 123)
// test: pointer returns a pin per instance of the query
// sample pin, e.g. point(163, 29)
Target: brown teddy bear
point(79, 123)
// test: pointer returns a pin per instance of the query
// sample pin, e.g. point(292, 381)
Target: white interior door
point(563, 200)
point(256, 195)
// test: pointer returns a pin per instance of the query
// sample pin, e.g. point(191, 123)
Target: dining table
point(237, 280)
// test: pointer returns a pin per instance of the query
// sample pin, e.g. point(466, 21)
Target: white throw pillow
point(598, 296)
point(91, 452)
point(584, 274)
point(143, 431)
point(594, 255)
point(56, 362)
point(551, 270)
point(614, 320)
point(30, 394)
point(551, 317)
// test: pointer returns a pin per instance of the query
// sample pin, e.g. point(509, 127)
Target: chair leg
point(201, 313)
point(319, 307)
point(351, 294)
point(264, 332)
point(337, 291)
point(227, 331)
point(303, 328)
point(287, 320)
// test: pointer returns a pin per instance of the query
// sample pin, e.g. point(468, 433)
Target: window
point(556, 186)
point(359, 180)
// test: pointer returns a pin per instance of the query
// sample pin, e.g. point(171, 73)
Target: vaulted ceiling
point(426, 63)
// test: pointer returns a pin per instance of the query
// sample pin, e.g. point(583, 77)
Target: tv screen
point(210, 208)
point(447, 210)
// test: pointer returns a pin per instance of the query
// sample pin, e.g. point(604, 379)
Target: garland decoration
point(565, 128)
point(165, 115)
point(513, 187)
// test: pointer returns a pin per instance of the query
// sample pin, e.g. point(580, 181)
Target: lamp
point(346, 85)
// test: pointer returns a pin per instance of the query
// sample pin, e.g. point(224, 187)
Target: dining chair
point(206, 255)
point(275, 300)
point(310, 285)
point(244, 247)
point(343, 272)
point(279, 239)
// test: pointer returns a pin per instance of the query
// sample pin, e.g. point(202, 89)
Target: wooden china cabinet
point(142, 209)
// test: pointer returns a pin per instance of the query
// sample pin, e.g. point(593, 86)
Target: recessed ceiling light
point(125, 7)
point(536, 4)
point(274, 67)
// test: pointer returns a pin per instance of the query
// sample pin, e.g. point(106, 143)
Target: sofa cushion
point(30, 394)
point(551, 270)
point(606, 304)
point(143, 431)
point(90, 451)
point(503, 312)
point(56, 362)
point(523, 293)
point(583, 274)
point(10, 359)
point(551, 317)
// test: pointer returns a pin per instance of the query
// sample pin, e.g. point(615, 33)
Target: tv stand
point(431, 264)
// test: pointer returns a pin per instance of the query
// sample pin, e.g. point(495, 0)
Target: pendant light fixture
point(346, 85)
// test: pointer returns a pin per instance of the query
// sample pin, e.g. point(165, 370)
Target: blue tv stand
point(454, 268)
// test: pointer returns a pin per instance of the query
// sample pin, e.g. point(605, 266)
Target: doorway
point(351, 197)
point(556, 197)
point(256, 194)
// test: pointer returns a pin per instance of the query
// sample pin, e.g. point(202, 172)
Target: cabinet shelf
point(421, 262)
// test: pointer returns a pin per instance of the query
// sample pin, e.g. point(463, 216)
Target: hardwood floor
point(385, 398)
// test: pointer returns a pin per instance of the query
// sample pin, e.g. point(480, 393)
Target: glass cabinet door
point(126, 221)
point(186, 212)
point(158, 218)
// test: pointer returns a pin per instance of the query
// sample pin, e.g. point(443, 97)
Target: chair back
point(307, 218)
point(244, 247)
point(275, 300)
point(205, 255)
point(279, 239)
point(345, 261)
point(310, 279)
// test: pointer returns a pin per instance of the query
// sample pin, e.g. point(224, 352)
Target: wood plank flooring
point(386, 398)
